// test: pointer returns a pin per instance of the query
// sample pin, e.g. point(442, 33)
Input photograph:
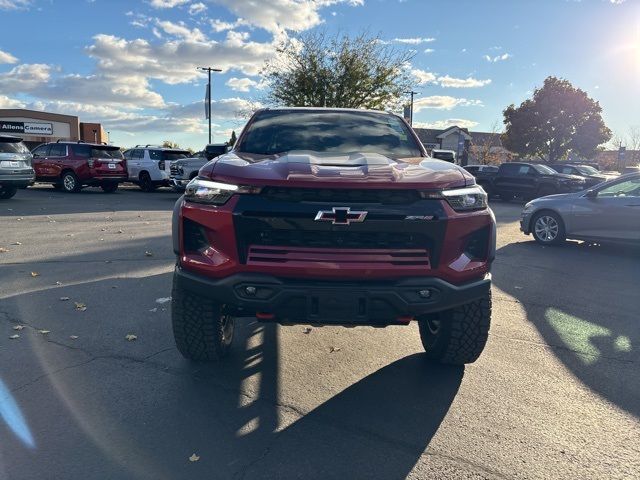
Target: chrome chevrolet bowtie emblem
point(340, 216)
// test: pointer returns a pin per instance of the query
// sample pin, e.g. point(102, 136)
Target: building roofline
point(16, 112)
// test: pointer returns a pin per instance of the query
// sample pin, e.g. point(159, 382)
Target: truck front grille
point(174, 170)
point(341, 195)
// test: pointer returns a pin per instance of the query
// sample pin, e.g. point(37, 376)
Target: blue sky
point(131, 65)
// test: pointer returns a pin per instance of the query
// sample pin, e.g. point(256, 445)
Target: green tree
point(232, 140)
point(558, 119)
point(315, 70)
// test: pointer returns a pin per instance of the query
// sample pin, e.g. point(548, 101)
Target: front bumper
point(525, 222)
point(343, 302)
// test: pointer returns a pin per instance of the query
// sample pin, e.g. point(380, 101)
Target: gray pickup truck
point(16, 169)
point(186, 169)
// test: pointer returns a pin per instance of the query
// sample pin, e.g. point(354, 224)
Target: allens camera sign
point(27, 128)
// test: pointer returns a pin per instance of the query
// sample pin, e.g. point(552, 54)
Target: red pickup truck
point(332, 216)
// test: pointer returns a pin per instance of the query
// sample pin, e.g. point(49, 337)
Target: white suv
point(148, 165)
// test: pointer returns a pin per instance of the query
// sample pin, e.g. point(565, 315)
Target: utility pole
point(208, 95)
point(412, 93)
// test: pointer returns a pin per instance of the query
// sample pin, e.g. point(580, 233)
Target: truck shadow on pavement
point(583, 300)
point(138, 410)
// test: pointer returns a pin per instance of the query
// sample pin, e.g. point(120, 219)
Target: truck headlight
point(466, 199)
point(214, 193)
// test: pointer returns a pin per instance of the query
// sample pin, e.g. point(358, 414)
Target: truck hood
point(304, 168)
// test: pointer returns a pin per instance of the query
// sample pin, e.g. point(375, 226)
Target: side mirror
point(228, 148)
point(591, 194)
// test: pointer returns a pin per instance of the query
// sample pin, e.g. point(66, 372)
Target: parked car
point(608, 212)
point(591, 176)
point(529, 180)
point(72, 165)
point(214, 150)
point(483, 174)
point(148, 166)
point(332, 216)
point(186, 169)
point(631, 169)
point(16, 169)
point(446, 155)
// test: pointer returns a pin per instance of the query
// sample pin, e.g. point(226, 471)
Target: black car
point(591, 176)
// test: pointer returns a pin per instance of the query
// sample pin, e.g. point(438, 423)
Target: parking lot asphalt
point(556, 393)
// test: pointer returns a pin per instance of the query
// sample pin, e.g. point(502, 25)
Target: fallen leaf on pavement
point(307, 330)
point(120, 231)
point(13, 337)
point(35, 274)
point(58, 283)
point(131, 337)
point(194, 458)
point(3, 250)
point(16, 243)
point(154, 309)
point(73, 337)
point(64, 299)
point(163, 300)
point(148, 254)
point(80, 306)
point(334, 349)
point(18, 327)
point(44, 332)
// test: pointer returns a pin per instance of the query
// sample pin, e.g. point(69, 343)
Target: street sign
point(207, 102)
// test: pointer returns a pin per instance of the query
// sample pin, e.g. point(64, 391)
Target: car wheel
point(201, 330)
point(146, 184)
point(70, 183)
point(109, 187)
point(548, 228)
point(459, 335)
point(7, 191)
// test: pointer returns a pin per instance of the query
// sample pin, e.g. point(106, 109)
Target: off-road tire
point(462, 333)
point(146, 184)
point(70, 182)
point(199, 326)
point(7, 191)
point(109, 187)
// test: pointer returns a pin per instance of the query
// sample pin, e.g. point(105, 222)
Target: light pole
point(208, 97)
point(412, 93)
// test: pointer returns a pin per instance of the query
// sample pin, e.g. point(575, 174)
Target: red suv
point(329, 216)
point(72, 165)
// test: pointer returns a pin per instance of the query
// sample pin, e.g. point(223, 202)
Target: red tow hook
point(265, 316)
point(404, 319)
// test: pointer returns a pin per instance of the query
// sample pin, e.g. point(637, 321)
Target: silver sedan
point(608, 212)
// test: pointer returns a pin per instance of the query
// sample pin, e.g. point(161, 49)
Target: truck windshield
point(340, 132)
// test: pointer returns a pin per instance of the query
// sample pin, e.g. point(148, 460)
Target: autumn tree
point(558, 119)
point(316, 70)
point(170, 144)
point(232, 140)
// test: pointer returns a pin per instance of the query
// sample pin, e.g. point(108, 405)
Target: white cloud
point(14, 4)
point(469, 82)
point(429, 50)
point(196, 8)
point(6, 57)
point(24, 78)
point(241, 84)
point(423, 77)
point(443, 102)
point(180, 30)
point(498, 58)
point(176, 61)
point(6, 102)
point(167, 3)
point(414, 40)
point(443, 124)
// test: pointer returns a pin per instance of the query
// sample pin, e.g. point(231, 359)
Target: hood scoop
point(331, 160)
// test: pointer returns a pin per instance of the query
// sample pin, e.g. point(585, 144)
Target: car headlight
point(466, 199)
point(214, 193)
point(528, 207)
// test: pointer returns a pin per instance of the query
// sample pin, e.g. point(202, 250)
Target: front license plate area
point(329, 307)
